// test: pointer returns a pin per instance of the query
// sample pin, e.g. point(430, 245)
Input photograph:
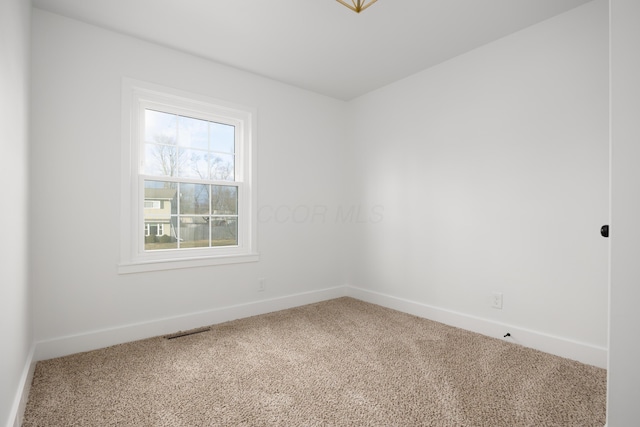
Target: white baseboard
point(585, 353)
point(93, 340)
point(22, 394)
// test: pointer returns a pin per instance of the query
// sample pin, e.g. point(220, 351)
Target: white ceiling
point(317, 45)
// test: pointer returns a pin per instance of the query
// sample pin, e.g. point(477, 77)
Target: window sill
point(147, 266)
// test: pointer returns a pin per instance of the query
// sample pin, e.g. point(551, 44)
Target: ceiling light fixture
point(358, 5)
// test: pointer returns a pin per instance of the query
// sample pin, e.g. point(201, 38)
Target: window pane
point(193, 133)
point(158, 233)
point(160, 127)
point(159, 225)
point(222, 137)
point(193, 164)
point(194, 231)
point(222, 167)
point(154, 242)
point(194, 199)
point(160, 195)
point(224, 231)
point(162, 160)
point(224, 200)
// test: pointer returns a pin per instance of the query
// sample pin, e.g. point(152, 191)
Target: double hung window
point(188, 186)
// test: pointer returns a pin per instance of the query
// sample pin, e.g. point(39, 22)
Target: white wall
point(75, 177)
point(485, 173)
point(15, 326)
point(624, 345)
point(492, 169)
point(542, 154)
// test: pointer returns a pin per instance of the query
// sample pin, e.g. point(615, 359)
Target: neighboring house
point(158, 203)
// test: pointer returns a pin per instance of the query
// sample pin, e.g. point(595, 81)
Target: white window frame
point(138, 95)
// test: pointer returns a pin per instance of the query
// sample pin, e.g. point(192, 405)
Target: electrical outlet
point(262, 284)
point(496, 300)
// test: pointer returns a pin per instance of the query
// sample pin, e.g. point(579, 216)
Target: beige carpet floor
point(342, 362)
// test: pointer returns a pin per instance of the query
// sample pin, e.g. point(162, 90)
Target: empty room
point(321, 212)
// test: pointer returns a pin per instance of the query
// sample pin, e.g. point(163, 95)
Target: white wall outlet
point(496, 300)
point(262, 284)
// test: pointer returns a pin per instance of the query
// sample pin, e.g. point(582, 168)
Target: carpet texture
point(342, 362)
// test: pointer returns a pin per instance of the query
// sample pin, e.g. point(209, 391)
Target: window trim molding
point(133, 258)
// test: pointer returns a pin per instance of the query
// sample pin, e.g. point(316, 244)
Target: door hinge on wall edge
point(180, 334)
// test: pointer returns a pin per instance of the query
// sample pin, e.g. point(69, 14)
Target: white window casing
point(138, 97)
